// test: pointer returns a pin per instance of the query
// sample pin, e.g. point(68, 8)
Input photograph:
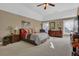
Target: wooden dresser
point(56, 28)
point(55, 33)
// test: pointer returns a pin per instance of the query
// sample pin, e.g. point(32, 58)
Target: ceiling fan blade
point(51, 4)
point(40, 4)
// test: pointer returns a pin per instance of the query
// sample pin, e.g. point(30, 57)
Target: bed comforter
point(39, 37)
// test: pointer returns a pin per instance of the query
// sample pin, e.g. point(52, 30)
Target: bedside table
point(10, 39)
point(15, 38)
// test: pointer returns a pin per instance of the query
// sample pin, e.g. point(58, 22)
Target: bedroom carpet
point(62, 47)
point(13, 48)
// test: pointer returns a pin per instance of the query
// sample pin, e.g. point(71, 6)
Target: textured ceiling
point(38, 13)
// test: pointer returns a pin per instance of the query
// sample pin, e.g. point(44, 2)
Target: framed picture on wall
point(25, 24)
point(52, 25)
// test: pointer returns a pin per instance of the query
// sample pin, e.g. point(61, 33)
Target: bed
point(39, 38)
point(33, 38)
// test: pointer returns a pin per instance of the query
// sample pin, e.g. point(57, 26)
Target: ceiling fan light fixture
point(45, 5)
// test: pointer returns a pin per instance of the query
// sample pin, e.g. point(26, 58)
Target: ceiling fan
point(45, 5)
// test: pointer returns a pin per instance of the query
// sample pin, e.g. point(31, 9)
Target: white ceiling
point(38, 13)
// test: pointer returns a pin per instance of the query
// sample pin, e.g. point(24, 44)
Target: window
point(70, 25)
point(45, 26)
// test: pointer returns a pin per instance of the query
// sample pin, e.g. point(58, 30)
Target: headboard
point(23, 33)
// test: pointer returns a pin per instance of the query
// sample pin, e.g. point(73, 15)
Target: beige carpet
point(14, 48)
point(62, 47)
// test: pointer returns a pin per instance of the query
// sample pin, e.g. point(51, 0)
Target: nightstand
point(11, 39)
point(15, 38)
